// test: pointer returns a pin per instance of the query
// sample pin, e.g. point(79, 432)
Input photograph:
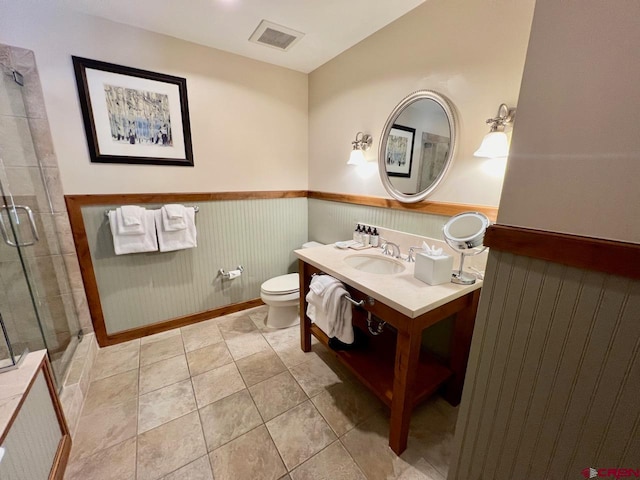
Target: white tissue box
point(433, 270)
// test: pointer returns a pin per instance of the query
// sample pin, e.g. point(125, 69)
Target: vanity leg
point(460, 345)
point(305, 323)
point(407, 355)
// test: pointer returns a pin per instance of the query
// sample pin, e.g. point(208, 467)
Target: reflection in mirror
point(417, 146)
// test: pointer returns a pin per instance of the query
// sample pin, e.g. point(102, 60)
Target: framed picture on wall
point(399, 154)
point(133, 116)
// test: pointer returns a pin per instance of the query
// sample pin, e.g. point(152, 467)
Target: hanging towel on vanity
point(170, 240)
point(328, 308)
point(173, 217)
point(128, 242)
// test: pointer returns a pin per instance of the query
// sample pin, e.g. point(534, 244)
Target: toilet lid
point(282, 285)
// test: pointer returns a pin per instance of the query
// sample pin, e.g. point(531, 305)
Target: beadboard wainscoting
point(136, 291)
point(552, 383)
point(331, 221)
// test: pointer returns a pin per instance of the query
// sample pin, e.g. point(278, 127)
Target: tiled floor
point(231, 399)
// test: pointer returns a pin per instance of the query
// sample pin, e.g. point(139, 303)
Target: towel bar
point(196, 209)
point(370, 300)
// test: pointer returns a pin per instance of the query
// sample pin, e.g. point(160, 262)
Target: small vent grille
point(275, 36)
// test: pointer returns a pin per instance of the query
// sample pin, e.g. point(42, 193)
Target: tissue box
point(433, 270)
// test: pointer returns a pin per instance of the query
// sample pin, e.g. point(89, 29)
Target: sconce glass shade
point(494, 145)
point(356, 157)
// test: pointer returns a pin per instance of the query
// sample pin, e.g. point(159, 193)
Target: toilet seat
point(282, 285)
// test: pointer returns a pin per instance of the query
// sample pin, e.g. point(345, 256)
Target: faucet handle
point(411, 257)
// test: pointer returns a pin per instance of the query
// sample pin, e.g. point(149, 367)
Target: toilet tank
point(312, 244)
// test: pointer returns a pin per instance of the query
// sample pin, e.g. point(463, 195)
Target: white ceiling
point(330, 26)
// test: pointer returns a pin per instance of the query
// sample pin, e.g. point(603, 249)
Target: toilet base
point(282, 317)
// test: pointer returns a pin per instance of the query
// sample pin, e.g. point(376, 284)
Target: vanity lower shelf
point(374, 367)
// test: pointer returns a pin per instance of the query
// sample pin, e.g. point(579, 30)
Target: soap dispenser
point(356, 234)
point(374, 240)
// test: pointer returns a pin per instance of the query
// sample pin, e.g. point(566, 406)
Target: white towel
point(177, 239)
point(173, 217)
point(130, 243)
point(132, 215)
point(125, 219)
point(330, 308)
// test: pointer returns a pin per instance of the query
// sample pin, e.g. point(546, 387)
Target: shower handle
point(32, 224)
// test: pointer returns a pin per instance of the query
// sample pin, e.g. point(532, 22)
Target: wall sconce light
point(361, 143)
point(495, 143)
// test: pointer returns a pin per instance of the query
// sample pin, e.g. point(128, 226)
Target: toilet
point(282, 295)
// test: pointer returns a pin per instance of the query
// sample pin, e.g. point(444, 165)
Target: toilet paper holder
point(231, 274)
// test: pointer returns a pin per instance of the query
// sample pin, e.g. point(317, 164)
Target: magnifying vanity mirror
point(417, 146)
point(465, 234)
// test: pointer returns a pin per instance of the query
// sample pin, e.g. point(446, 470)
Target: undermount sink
point(374, 264)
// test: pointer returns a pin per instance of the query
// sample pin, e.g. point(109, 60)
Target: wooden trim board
point(607, 256)
point(435, 208)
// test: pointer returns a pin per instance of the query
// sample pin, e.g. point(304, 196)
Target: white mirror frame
point(397, 111)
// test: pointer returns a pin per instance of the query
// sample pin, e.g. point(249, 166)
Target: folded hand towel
point(132, 215)
point(175, 222)
point(171, 240)
point(174, 210)
point(134, 243)
point(121, 223)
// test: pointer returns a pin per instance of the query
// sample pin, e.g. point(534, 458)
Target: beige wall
point(248, 119)
point(471, 51)
point(574, 164)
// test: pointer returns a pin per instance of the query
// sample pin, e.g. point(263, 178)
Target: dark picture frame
point(133, 116)
point(399, 154)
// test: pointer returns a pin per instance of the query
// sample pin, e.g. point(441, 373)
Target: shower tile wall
point(27, 159)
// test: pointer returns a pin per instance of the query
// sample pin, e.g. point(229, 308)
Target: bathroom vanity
point(394, 365)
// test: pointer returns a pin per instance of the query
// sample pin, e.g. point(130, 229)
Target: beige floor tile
point(165, 404)
point(110, 391)
point(170, 447)
point(251, 456)
point(159, 336)
point(208, 358)
point(331, 463)
point(300, 433)
point(244, 345)
point(114, 463)
point(345, 405)
point(291, 354)
point(105, 428)
point(260, 366)
point(217, 384)
point(116, 359)
point(232, 326)
point(315, 376)
point(198, 470)
point(163, 373)
point(368, 445)
point(161, 350)
point(200, 335)
point(282, 336)
point(226, 419)
point(277, 395)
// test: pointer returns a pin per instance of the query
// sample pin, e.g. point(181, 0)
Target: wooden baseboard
point(61, 459)
point(607, 256)
point(177, 322)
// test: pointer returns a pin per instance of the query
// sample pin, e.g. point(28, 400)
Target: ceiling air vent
point(275, 36)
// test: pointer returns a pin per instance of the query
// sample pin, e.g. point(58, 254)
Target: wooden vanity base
point(401, 375)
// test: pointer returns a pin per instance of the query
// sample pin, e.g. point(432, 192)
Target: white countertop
point(400, 291)
point(13, 385)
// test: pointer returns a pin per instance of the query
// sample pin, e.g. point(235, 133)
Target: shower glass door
point(36, 301)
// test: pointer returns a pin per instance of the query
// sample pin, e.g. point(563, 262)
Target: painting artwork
point(399, 154)
point(133, 116)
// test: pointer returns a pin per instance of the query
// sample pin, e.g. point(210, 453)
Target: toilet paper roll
point(234, 274)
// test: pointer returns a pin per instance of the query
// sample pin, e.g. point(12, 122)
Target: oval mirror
point(417, 146)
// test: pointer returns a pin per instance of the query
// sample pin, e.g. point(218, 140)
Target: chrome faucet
point(390, 248)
